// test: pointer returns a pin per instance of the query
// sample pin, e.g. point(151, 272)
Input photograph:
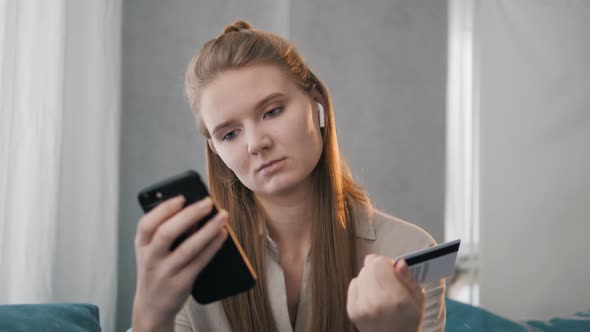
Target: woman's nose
point(258, 141)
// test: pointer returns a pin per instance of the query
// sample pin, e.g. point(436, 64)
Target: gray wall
point(384, 63)
point(535, 182)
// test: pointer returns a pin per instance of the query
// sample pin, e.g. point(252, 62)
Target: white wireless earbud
point(322, 115)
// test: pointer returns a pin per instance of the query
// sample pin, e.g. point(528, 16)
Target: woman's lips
point(271, 167)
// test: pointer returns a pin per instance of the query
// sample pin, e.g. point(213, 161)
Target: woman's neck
point(288, 219)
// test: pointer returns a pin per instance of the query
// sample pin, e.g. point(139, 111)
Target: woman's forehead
point(238, 90)
point(246, 83)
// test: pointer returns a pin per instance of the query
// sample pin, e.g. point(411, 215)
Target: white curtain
point(59, 152)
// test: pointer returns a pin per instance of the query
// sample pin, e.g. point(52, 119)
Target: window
point(462, 160)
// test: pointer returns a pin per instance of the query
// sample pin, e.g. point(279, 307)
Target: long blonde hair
point(333, 249)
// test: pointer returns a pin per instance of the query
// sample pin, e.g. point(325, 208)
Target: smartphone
point(229, 272)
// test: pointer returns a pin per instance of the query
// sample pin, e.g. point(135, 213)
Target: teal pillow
point(465, 317)
point(49, 317)
point(578, 322)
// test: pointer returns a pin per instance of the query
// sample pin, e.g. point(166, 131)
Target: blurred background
point(468, 118)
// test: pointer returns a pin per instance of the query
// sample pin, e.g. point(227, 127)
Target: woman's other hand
point(165, 278)
point(385, 297)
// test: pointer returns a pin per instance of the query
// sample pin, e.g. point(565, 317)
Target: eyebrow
point(258, 105)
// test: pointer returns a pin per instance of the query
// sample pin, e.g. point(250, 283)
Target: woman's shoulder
point(384, 234)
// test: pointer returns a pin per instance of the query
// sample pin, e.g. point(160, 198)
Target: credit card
point(433, 263)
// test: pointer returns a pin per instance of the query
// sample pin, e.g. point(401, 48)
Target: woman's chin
point(278, 186)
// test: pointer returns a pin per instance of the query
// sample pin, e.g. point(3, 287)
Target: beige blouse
point(376, 232)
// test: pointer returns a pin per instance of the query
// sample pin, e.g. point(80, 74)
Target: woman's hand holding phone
point(164, 277)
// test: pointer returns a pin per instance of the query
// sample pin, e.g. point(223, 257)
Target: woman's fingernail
point(220, 219)
point(179, 199)
point(205, 203)
point(400, 263)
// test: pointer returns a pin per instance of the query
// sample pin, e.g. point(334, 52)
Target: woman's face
point(257, 116)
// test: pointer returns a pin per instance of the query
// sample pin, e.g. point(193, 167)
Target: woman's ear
point(317, 97)
point(210, 143)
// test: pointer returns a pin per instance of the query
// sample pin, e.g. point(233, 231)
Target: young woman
point(321, 252)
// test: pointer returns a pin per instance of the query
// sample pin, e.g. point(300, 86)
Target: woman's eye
point(274, 112)
point(229, 136)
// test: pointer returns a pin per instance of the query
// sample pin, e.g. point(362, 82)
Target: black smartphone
point(229, 272)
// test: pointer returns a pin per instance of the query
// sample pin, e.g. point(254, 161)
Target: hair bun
point(238, 26)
